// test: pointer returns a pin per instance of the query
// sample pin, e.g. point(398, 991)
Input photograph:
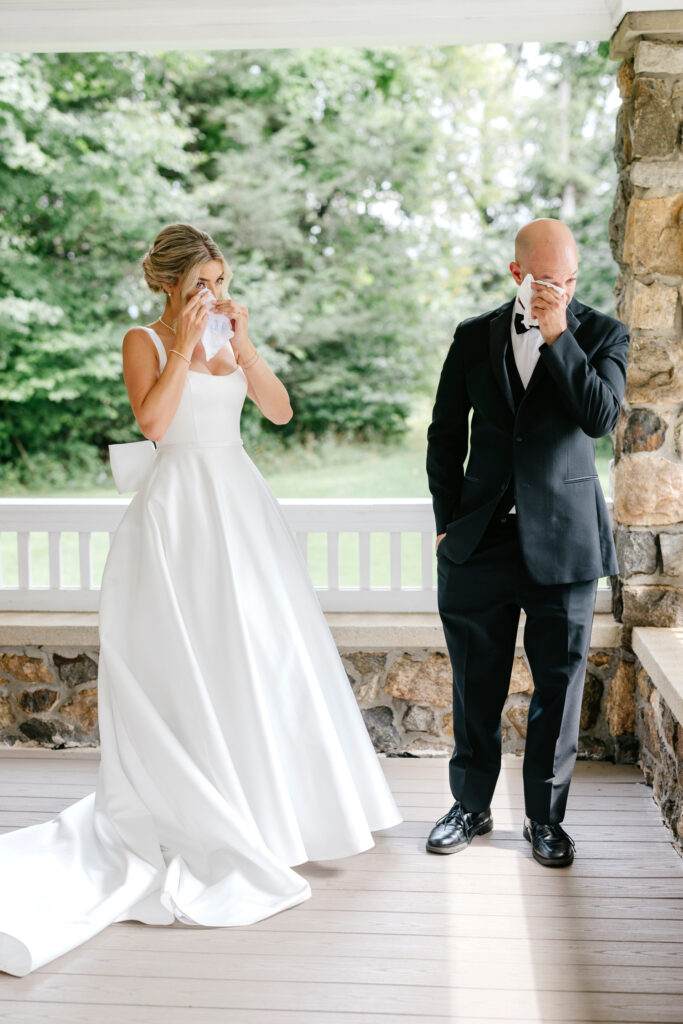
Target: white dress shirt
point(525, 348)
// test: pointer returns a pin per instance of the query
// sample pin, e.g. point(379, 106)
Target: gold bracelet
point(245, 366)
point(187, 360)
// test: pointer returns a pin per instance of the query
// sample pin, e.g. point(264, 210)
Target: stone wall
point(48, 697)
point(405, 698)
point(647, 242)
point(660, 738)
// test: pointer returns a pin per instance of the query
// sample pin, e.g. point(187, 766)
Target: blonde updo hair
point(177, 253)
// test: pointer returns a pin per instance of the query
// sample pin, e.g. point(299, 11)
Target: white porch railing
point(374, 554)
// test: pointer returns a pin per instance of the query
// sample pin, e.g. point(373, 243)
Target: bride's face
point(212, 275)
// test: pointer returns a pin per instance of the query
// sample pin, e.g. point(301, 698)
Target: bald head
point(546, 249)
point(543, 236)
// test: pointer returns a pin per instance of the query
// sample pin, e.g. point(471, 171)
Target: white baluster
point(333, 560)
point(395, 557)
point(85, 560)
point(55, 547)
point(24, 559)
point(364, 559)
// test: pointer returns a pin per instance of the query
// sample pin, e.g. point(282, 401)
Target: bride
point(232, 747)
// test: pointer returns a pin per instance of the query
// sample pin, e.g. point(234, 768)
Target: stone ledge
point(362, 631)
point(660, 652)
point(49, 629)
point(352, 631)
point(661, 25)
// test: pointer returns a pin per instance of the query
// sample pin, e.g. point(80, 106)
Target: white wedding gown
point(232, 746)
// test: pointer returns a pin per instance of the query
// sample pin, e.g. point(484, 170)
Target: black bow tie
point(520, 326)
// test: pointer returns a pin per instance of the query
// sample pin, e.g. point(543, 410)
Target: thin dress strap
point(159, 346)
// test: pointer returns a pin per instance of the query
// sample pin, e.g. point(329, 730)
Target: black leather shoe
point(457, 829)
point(550, 844)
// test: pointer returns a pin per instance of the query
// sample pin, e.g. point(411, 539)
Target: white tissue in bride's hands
point(525, 294)
point(218, 329)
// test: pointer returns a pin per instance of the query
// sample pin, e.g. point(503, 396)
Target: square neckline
point(198, 372)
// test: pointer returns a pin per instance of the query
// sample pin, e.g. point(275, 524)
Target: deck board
point(394, 935)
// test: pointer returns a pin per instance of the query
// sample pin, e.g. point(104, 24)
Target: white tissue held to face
point(525, 294)
point(218, 329)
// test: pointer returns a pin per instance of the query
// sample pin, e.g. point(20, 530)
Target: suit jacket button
point(518, 438)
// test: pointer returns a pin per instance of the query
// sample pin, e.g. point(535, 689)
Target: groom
point(523, 526)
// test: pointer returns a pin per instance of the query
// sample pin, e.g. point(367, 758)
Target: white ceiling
point(77, 25)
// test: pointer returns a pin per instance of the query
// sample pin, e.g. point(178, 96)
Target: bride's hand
point(190, 324)
point(238, 316)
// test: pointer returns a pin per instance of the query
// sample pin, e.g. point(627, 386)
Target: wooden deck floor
point(396, 934)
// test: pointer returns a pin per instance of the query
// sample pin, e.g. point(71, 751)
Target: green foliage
point(312, 163)
point(571, 172)
point(89, 167)
point(366, 200)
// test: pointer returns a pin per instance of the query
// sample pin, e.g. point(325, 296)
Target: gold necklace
point(166, 325)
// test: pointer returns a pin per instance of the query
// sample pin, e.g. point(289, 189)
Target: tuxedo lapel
point(499, 335)
point(539, 371)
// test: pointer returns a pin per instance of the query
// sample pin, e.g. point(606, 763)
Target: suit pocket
point(473, 492)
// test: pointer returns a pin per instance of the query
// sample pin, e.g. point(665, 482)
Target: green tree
point(571, 172)
point(313, 163)
point(88, 169)
point(366, 199)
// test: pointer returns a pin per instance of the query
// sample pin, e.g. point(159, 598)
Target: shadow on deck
point(396, 934)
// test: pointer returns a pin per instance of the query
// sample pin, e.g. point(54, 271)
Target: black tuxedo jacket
point(545, 446)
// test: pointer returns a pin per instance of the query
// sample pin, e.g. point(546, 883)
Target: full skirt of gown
point(232, 746)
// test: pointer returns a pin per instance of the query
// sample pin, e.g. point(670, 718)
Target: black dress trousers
point(480, 601)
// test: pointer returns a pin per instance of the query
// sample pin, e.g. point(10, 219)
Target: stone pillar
point(647, 241)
